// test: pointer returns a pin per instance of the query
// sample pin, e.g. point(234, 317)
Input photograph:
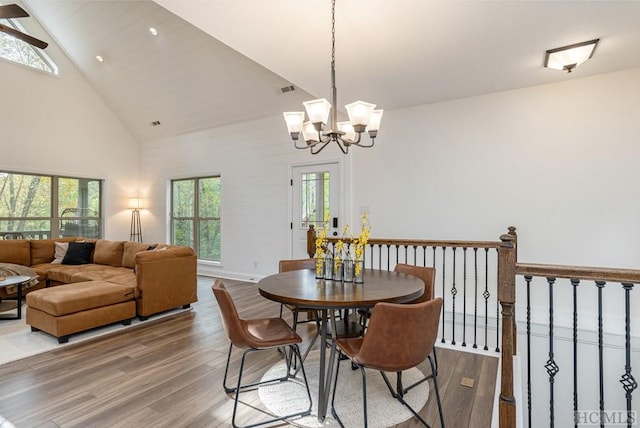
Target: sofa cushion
point(130, 251)
point(59, 252)
point(42, 250)
point(78, 253)
point(16, 251)
point(72, 298)
point(108, 252)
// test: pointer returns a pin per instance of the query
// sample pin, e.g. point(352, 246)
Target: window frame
point(55, 218)
point(46, 59)
point(195, 218)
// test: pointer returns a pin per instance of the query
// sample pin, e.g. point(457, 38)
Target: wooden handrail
point(311, 247)
point(579, 272)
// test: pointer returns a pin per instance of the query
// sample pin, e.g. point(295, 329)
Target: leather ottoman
point(71, 308)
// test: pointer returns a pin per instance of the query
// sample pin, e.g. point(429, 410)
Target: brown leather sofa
point(161, 279)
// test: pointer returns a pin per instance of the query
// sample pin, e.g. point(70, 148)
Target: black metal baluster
point(551, 366)
point(454, 291)
point(575, 283)
point(475, 298)
point(528, 278)
point(486, 296)
point(397, 257)
point(629, 384)
point(415, 255)
point(464, 296)
point(444, 257)
point(600, 285)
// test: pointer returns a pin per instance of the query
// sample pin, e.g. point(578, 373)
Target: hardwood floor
point(169, 374)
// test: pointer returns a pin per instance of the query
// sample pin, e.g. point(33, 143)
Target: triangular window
point(16, 50)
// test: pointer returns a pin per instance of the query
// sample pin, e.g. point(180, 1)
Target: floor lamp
point(136, 228)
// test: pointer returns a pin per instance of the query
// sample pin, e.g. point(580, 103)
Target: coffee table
point(19, 281)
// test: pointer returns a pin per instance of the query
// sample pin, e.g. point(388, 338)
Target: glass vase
point(358, 272)
point(319, 267)
point(347, 269)
point(328, 268)
point(337, 269)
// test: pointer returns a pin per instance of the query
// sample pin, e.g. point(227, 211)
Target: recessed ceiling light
point(99, 58)
point(153, 31)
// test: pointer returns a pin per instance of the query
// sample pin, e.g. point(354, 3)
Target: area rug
point(383, 410)
point(17, 341)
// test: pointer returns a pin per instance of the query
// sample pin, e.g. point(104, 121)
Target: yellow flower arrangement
point(321, 245)
point(337, 256)
point(360, 243)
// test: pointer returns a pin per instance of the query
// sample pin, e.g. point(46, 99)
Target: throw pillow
point(60, 252)
point(79, 253)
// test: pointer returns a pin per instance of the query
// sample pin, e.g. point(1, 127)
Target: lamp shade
point(294, 120)
point(374, 122)
point(569, 57)
point(360, 112)
point(347, 128)
point(318, 110)
point(309, 132)
point(135, 203)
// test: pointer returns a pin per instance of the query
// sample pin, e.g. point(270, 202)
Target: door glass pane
point(183, 198)
point(315, 198)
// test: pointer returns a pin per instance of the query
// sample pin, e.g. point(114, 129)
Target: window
point(16, 50)
point(195, 215)
point(41, 206)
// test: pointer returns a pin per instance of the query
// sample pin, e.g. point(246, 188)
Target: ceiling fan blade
point(12, 11)
point(24, 37)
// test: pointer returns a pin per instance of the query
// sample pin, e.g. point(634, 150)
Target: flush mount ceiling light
point(153, 31)
point(362, 116)
point(99, 58)
point(569, 57)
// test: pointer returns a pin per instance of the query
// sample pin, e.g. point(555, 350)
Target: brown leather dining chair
point(311, 314)
point(399, 337)
point(256, 335)
point(298, 264)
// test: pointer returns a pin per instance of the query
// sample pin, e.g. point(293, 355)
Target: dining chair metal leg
point(399, 392)
point(427, 377)
point(239, 386)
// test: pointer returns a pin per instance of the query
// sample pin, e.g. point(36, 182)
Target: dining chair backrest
point(234, 326)
point(400, 336)
point(296, 264)
point(426, 274)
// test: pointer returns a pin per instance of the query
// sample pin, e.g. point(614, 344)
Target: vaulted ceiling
point(217, 62)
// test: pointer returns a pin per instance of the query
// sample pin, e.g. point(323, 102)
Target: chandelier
point(318, 131)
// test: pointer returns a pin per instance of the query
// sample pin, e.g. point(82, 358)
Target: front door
point(315, 198)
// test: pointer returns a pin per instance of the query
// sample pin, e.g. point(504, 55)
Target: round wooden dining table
point(302, 288)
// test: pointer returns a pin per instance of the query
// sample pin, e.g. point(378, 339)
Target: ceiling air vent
point(155, 123)
point(289, 88)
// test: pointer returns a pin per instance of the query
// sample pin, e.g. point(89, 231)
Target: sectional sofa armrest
point(166, 279)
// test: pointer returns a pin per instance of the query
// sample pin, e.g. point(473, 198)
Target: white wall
point(559, 162)
point(59, 125)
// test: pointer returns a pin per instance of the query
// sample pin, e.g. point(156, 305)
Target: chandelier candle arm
point(322, 126)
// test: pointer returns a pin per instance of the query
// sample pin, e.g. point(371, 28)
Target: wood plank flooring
point(169, 374)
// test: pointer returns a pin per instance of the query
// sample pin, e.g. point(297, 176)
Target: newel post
point(311, 241)
point(507, 298)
